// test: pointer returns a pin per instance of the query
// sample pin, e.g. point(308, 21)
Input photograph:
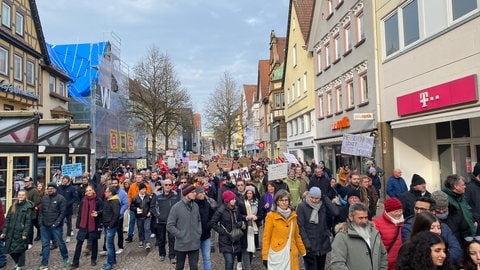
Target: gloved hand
point(265, 263)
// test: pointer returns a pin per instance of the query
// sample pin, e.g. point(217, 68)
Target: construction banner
point(113, 140)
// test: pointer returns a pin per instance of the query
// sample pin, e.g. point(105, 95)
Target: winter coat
point(34, 197)
point(206, 213)
point(82, 232)
point(17, 225)
point(294, 189)
point(69, 192)
point(133, 190)
point(396, 186)
point(408, 200)
point(472, 195)
point(52, 210)
point(111, 212)
point(144, 204)
point(388, 231)
point(350, 251)
point(454, 248)
point(185, 224)
point(316, 237)
point(323, 183)
point(162, 204)
point(275, 236)
point(458, 206)
point(222, 222)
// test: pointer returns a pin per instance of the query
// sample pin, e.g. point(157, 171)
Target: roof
point(263, 79)
point(249, 90)
point(281, 43)
point(304, 9)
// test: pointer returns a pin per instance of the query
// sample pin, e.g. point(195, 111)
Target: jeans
point(52, 234)
point(246, 260)
point(120, 233)
point(68, 220)
point(111, 257)
point(229, 258)
point(131, 224)
point(143, 226)
point(192, 259)
point(205, 247)
point(161, 233)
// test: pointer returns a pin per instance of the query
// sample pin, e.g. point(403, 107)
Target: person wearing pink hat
point(390, 227)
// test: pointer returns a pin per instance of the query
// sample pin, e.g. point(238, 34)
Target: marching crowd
point(292, 223)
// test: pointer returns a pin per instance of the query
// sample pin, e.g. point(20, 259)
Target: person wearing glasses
point(282, 242)
point(428, 205)
point(471, 260)
point(162, 203)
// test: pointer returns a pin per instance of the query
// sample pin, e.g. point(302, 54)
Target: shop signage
point(363, 116)
point(15, 90)
point(261, 145)
point(460, 91)
point(341, 124)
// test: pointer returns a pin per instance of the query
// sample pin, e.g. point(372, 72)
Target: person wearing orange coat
point(281, 229)
point(389, 225)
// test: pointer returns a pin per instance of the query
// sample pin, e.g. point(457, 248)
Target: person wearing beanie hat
point(389, 225)
point(184, 223)
point(312, 220)
point(418, 188)
point(460, 218)
point(52, 185)
point(199, 189)
point(228, 196)
point(472, 194)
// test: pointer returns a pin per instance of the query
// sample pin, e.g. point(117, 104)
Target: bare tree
point(222, 111)
point(157, 99)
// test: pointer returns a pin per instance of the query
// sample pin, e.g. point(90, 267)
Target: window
point(462, 7)
point(435, 16)
point(338, 97)
point(289, 129)
point(17, 67)
point(329, 102)
point(51, 84)
point(411, 31)
point(295, 127)
point(293, 92)
point(6, 16)
point(294, 55)
point(391, 35)
point(305, 86)
point(298, 87)
point(336, 48)
point(360, 27)
point(30, 72)
point(363, 83)
point(326, 56)
point(300, 125)
point(7, 107)
point(347, 38)
point(318, 62)
point(19, 24)
point(279, 100)
point(308, 125)
point(62, 89)
point(288, 95)
point(320, 106)
point(329, 7)
point(350, 94)
point(3, 61)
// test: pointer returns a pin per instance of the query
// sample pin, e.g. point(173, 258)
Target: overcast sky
point(204, 38)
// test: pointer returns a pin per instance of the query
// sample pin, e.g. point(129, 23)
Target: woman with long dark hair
point(471, 260)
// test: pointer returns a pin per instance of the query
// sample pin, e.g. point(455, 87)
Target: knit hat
point(227, 196)
point(187, 189)
point(353, 193)
point(251, 188)
point(199, 189)
point(371, 170)
point(417, 180)
point(392, 204)
point(476, 169)
point(315, 192)
point(441, 199)
point(52, 184)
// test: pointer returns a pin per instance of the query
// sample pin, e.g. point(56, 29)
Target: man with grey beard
point(357, 244)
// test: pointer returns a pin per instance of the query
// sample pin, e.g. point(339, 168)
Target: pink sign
point(447, 94)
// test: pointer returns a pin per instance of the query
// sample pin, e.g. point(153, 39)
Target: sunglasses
point(183, 182)
point(471, 238)
point(167, 185)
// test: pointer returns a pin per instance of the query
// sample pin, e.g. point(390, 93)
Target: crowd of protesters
point(291, 222)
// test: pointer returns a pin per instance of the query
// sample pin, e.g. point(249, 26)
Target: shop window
point(453, 129)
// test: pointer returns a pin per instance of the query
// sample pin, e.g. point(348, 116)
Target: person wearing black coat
point(312, 221)
point(88, 226)
point(320, 179)
point(418, 188)
point(206, 207)
point(110, 216)
point(223, 221)
point(17, 228)
point(70, 193)
point(140, 205)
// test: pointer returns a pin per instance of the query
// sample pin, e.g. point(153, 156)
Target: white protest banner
point(171, 162)
point(291, 158)
point(357, 145)
point(141, 163)
point(192, 166)
point(72, 170)
point(277, 171)
point(242, 172)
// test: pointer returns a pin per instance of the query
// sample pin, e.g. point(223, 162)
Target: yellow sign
point(123, 141)
point(113, 140)
point(130, 143)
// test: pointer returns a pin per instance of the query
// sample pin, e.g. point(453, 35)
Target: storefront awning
point(79, 137)
point(18, 128)
point(437, 118)
point(53, 133)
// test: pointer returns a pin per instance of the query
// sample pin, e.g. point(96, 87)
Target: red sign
point(261, 145)
point(341, 124)
point(448, 94)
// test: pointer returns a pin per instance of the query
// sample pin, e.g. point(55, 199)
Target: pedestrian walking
point(110, 217)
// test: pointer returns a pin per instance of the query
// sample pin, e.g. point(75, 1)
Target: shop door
point(13, 169)
point(454, 159)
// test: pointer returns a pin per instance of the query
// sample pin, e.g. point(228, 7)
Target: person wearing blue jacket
point(123, 198)
point(396, 184)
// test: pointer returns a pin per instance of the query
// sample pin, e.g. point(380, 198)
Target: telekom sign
point(447, 94)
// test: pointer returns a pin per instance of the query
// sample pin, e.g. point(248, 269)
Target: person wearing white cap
point(312, 221)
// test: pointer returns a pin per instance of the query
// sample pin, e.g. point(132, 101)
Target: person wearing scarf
point(88, 226)
point(254, 218)
point(282, 235)
point(312, 221)
point(389, 225)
